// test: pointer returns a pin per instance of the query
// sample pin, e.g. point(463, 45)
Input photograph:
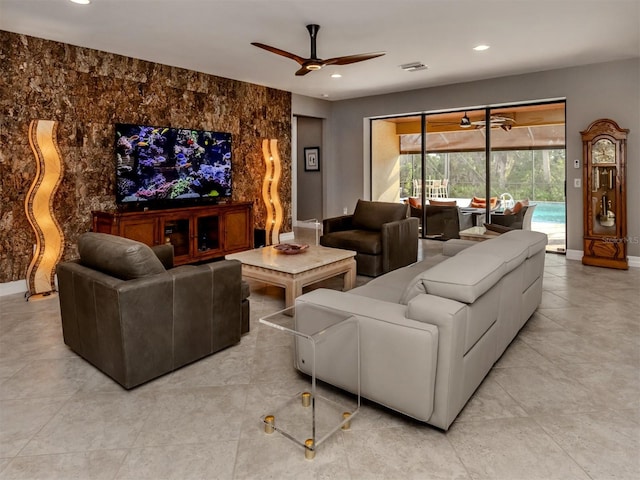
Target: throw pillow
point(517, 207)
point(414, 202)
point(477, 202)
point(443, 203)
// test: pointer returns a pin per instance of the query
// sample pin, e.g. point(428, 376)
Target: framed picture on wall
point(312, 159)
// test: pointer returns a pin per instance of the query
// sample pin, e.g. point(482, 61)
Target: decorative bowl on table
point(291, 248)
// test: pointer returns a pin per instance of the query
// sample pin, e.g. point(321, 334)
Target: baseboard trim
point(634, 262)
point(11, 288)
point(574, 255)
point(307, 224)
point(284, 237)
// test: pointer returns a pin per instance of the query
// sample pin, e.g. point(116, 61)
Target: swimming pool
point(549, 212)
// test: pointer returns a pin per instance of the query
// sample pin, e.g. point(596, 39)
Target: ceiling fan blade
point(277, 51)
point(302, 71)
point(352, 58)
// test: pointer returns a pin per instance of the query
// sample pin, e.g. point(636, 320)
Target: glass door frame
point(487, 150)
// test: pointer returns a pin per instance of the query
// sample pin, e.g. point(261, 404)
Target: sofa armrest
point(399, 243)
point(450, 317)
point(337, 224)
point(227, 301)
point(465, 219)
point(416, 212)
point(512, 221)
point(389, 344)
point(127, 331)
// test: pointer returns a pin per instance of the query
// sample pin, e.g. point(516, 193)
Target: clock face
point(604, 151)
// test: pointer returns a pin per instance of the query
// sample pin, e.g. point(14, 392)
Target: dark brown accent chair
point(383, 234)
point(444, 221)
point(517, 221)
point(130, 314)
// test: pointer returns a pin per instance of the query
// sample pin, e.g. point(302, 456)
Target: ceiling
point(214, 37)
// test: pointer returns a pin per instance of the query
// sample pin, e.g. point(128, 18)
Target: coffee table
point(293, 272)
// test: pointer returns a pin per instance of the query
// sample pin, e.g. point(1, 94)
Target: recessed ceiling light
point(481, 48)
point(336, 75)
point(81, 2)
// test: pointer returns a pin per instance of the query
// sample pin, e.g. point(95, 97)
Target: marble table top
point(313, 257)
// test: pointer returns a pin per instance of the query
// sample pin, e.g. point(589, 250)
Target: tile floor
point(562, 403)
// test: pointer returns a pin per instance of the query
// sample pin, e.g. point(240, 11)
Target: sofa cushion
point(477, 202)
point(392, 286)
point(510, 252)
point(117, 256)
point(372, 215)
point(464, 277)
point(535, 241)
point(361, 241)
point(414, 288)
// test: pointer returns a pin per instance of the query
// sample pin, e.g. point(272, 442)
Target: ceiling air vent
point(413, 67)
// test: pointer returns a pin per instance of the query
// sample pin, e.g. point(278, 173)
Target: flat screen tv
point(171, 166)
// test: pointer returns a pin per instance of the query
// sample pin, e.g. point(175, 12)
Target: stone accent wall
point(88, 91)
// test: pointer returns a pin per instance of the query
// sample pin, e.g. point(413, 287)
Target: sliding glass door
point(434, 157)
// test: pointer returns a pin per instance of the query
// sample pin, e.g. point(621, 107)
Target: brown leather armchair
point(444, 221)
point(135, 319)
point(382, 234)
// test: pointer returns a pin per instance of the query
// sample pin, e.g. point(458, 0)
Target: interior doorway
point(308, 174)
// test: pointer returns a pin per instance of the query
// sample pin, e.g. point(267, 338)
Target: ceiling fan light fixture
point(313, 66)
point(465, 122)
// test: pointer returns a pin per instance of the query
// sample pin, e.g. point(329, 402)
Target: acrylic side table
point(312, 415)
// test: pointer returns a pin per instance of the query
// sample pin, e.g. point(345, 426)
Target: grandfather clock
point(604, 146)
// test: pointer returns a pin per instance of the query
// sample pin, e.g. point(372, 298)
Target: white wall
point(309, 184)
point(607, 90)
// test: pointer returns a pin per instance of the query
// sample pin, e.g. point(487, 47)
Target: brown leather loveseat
point(135, 319)
point(382, 233)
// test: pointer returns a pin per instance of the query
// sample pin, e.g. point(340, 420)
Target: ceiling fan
point(313, 62)
point(504, 122)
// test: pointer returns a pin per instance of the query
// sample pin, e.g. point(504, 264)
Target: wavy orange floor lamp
point(270, 186)
point(38, 205)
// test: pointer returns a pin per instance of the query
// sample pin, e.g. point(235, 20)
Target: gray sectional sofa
point(430, 332)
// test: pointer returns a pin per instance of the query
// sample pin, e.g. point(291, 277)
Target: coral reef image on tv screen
point(165, 164)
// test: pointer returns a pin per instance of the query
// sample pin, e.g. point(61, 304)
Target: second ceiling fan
point(313, 62)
